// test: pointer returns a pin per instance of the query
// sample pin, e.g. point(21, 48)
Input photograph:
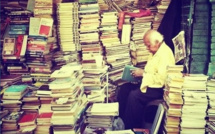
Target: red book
point(28, 119)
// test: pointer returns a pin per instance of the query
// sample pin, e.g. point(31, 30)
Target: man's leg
point(122, 96)
point(135, 106)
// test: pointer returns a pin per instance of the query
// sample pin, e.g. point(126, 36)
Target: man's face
point(151, 46)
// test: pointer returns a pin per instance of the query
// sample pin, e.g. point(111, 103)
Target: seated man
point(134, 97)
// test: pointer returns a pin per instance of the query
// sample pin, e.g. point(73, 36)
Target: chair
point(154, 127)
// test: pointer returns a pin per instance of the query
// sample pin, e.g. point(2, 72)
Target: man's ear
point(157, 42)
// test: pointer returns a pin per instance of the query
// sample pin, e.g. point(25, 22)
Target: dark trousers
point(132, 103)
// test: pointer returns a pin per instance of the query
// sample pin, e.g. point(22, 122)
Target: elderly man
point(134, 97)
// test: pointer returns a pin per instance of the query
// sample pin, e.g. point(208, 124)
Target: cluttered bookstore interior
point(63, 61)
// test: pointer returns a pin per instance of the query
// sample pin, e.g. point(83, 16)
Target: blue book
point(126, 75)
point(15, 90)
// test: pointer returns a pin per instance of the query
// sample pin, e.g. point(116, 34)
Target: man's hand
point(137, 72)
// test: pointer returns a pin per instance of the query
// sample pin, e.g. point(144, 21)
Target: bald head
point(152, 39)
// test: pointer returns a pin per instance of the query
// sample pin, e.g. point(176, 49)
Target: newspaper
point(179, 46)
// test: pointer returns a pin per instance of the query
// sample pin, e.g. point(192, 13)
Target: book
point(126, 75)
point(12, 117)
point(9, 46)
point(45, 27)
point(15, 90)
point(27, 119)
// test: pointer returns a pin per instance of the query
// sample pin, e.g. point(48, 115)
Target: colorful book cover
point(12, 117)
point(16, 89)
point(45, 27)
point(126, 75)
point(9, 46)
point(28, 118)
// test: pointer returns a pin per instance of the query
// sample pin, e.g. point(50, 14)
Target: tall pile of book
point(200, 44)
point(100, 115)
point(173, 99)
point(211, 66)
point(117, 55)
point(69, 100)
point(38, 58)
point(161, 10)
point(211, 107)
point(68, 21)
point(139, 52)
point(91, 47)
point(195, 104)
point(95, 83)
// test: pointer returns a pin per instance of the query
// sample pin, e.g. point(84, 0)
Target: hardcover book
point(126, 75)
point(28, 119)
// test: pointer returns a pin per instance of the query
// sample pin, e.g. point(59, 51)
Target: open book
point(126, 75)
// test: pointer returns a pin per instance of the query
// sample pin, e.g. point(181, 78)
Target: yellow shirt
point(155, 71)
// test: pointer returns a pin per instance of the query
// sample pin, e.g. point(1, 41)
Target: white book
point(126, 34)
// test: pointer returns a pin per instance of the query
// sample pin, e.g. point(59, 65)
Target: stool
point(150, 112)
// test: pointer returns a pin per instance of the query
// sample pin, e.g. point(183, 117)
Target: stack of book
point(109, 32)
point(100, 115)
point(200, 42)
point(68, 21)
point(31, 102)
point(195, 104)
point(89, 33)
point(13, 53)
point(68, 96)
point(173, 99)
point(95, 83)
point(39, 58)
point(211, 108)
point(161, 10)
point(44, 123)
point(10, 122)
point(61, 58)
point(12, 96)
point(139, 52)
point(18, 17)
point(140, 26)
point(27, 123)
point(43, 9)
point(117, 56)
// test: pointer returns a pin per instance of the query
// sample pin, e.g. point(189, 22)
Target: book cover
point(9, 46)
point(15, 90)
point(27, 119)
point(12, 117)
point(126, 75)
point(45, 27)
